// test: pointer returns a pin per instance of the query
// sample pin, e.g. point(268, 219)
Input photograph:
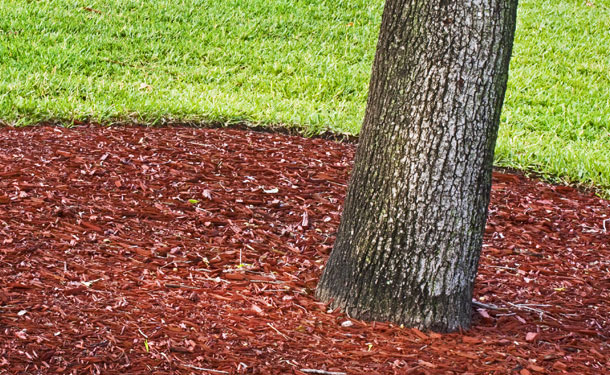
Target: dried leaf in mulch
point(193, 251)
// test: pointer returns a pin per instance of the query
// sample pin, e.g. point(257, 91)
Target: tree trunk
point(410, 238)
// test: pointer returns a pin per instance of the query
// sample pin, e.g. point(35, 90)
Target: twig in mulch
point(203, 270)
point(277, 290)
point(519, 306)
point(205, 369)
point(142, 333)
point(504, 268)
point(486, 306)
point(529, 307)
point(178, 286)
point(279, 333)
point(166, 357)
point(314, 371)
point(267, 281)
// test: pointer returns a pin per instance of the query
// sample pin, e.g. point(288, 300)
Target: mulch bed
point(136, 250)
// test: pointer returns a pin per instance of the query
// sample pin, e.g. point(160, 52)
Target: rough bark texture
point(410, 238)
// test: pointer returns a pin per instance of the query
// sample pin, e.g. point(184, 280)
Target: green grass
point(284, 61)
point(556, 118)
point(300, 63)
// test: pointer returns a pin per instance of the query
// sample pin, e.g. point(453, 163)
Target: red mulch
point(174, 250)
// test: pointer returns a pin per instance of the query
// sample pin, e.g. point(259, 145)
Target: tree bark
point(410, 238)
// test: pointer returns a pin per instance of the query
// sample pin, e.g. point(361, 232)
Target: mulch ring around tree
point(134, 250)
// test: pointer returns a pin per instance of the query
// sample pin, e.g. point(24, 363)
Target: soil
point(132, 250)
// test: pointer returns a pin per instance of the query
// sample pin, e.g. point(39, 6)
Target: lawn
point(302, 64)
